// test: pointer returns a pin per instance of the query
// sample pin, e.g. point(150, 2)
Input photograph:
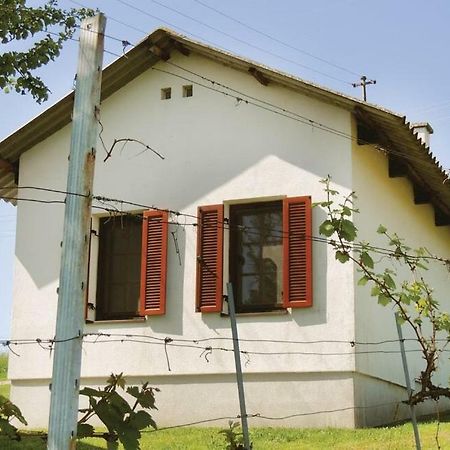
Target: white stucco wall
point(390, 201)
point(216, 150)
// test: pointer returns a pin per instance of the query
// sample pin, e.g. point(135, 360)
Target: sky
point(402, 44)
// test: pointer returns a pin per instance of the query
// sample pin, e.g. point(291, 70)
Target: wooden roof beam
point(161, 53)
point(180, 47)
point(259, 76)
point(7, 166)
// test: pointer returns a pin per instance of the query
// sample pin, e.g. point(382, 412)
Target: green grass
point(393, 438)
point(3, 366)
point(4, 390)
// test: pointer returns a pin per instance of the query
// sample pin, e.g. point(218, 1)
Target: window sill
point(106, 321)
point(278, 312)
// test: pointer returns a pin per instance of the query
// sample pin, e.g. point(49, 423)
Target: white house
point(245, 147)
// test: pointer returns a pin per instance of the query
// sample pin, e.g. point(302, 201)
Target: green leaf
point(405, 298)
point(366, 260)
point(400, 319)
point(326, 228)
point(130, 439)
point(84, 430)
point(10, 410)
point(375, 291)
point(133, 391)
point(389, 281)
point(90, 392)
point(363, 280)
point(383, 299)
point(348, 230)
point(346, 211)
point(140, 420)
point(7, 429)
point(342, 257)
point(120, 403)
point(112, 419)
point(147, 399)
point(381, 229)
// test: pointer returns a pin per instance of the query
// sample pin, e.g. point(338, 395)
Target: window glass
point(256, 247)
point(118, 285)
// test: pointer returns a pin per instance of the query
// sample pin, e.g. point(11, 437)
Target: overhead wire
point(276, 109)
point(275, 39)
point(226, 225)
point(242, 41)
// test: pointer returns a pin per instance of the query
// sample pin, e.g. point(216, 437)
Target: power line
point(77, 40)
point(226, 225)
point(242, 41)
point(305, 120)
point(273, 38)
point(270, 107)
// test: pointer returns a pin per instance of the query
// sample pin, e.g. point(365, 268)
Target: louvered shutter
point(153, 263)
point(297, 252)
point(209, 259)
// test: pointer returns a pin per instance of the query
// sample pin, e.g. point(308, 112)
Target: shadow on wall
point(172, 321)
point(245, 153)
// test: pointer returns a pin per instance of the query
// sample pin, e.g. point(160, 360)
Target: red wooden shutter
point(154, 263)
point(209, 258)
point(297, 252)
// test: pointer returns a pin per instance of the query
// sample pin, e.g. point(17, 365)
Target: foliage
point(8, 412)
point(5, 389)
point(413, 299)
point(234, 439)
point(19, 22)
point(123, 422)
point(3, 366)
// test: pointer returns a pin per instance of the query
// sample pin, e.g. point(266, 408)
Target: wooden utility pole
point(364, 82)
point(74, 259)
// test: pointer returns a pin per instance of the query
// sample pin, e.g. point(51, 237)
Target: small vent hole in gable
point(166, 93)
point(188, 91)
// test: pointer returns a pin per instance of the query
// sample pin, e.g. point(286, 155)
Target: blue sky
point(403, 44)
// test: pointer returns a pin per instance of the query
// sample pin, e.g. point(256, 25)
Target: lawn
point(393, 438)
point(4, 388)
point(3, 366)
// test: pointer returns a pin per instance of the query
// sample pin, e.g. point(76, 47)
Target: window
point(166, 93)
point(188, 91)
point(256, 260)
point(132, 264)
point(270, 255)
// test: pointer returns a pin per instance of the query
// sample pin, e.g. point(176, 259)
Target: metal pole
point(237, 361)
point(74, 258)
point(408, 382)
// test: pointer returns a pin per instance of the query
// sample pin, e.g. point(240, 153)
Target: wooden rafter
point(259, 76)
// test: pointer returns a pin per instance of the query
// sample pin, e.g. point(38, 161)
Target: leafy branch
point(234, 438)
point(123, 421)
point(8, 412)
point(20, 22)
point(413, 299)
